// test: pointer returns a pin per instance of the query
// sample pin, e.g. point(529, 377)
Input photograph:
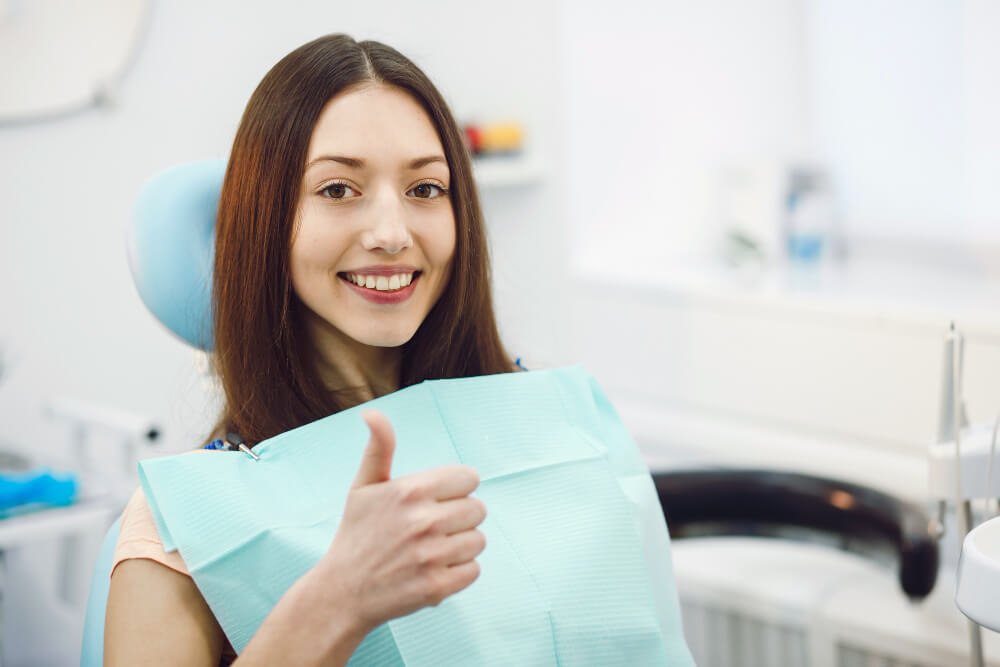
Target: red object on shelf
point(474, 138)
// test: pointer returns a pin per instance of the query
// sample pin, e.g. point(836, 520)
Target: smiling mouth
point(381, 283)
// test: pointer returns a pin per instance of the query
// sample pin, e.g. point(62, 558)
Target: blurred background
point(752, 221)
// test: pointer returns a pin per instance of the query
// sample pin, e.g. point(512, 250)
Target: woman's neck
point(353, 371)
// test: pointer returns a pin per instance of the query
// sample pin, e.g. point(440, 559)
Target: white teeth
point(381, 283)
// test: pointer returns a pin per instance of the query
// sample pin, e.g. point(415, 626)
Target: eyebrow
point(358, 163)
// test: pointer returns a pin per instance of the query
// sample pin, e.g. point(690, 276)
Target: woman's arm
point(401, 545)
point(156, 616)
point(307, 627)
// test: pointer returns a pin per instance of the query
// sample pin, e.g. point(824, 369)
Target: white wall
point(896, 98)
point(981, 22)
point(658, 96)
point(904, 96)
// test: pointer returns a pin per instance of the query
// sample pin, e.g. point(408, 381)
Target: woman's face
point(375, 233)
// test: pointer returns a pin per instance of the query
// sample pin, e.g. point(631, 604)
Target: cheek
point(441, 253)
point(297, 263)
point(320, 236)
point(314, 253)
point(442, 245)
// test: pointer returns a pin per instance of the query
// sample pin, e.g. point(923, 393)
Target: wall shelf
point(507, 171)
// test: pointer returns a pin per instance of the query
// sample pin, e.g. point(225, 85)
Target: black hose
point(742, 502)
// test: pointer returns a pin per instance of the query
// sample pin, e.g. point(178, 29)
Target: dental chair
point(171, 248)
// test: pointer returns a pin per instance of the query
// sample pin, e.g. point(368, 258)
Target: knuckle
point(421, 525)
point(435, 525)
point(470, 574)
point(480, 509)
point(436, 590)
point(431, 522)
point(472, 475)
point(412, 491)
point(424, 556)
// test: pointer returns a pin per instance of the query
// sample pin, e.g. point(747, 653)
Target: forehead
point(374, 121)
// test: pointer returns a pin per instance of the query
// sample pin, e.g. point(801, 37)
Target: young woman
point(351, 261)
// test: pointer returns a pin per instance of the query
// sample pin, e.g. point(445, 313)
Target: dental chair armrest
point(742, 502)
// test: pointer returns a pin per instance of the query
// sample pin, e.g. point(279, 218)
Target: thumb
point(376, 462)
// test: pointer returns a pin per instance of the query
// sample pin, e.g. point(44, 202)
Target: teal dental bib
point(577, 568)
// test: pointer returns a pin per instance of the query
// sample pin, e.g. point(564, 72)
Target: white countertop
point(85, 515)
point(887, 291)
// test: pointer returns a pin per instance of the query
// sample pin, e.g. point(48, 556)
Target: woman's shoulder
point(138, 536)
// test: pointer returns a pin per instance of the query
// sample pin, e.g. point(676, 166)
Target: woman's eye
point(338, 191)
point(427, 191)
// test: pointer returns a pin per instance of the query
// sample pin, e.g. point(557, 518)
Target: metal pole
point(975, 632)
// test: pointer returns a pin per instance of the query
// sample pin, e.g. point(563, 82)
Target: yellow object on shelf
point(501, 137)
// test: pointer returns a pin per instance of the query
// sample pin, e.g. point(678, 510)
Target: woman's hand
point(402, 544)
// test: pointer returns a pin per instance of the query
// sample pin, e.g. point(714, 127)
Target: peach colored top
point(138, 537)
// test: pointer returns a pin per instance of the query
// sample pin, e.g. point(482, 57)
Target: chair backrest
point(171, 247)
point(92, 653)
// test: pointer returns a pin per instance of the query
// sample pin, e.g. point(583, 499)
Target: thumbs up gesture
point(404, 543)
point(376, 462)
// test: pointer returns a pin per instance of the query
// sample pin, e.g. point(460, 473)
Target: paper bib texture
point(577, 567)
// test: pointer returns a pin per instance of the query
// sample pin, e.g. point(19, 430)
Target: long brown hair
point(262, 353)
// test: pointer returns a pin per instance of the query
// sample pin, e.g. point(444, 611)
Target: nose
point(387, 229)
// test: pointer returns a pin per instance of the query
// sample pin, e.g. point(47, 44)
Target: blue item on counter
point(805, 247)
point(24, 491)
point(809, 208)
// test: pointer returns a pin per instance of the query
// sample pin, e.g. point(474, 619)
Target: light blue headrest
point(171, 247)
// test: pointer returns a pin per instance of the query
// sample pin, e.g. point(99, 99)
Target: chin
point(394, 338)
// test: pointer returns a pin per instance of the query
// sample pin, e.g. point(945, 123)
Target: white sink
point(978, 590)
